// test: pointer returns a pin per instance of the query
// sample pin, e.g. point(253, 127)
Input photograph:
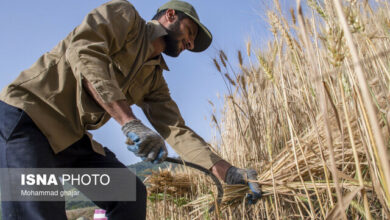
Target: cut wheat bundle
point(284, 179)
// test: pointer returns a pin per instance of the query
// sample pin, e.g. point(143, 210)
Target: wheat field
point(309, 112)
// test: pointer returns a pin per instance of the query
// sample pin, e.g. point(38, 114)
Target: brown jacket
point(110, 49)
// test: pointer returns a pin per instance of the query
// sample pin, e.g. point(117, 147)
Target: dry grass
point(177, 185)
point(310, 113)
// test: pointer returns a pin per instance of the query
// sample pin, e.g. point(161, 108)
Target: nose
point(190, 44)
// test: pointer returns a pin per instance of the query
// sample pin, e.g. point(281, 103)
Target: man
point(109, 62)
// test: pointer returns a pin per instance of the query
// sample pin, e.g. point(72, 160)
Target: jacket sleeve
point(102, 33)
point(164, 115)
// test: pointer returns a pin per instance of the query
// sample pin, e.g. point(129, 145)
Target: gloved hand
point(236, 175)
point(145, 143)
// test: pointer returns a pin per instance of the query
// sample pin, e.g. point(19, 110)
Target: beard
point(171, 40)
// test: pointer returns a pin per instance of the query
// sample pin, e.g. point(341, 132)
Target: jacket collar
point(154, 31)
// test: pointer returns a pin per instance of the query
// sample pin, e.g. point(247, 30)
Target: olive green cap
point(204, 37)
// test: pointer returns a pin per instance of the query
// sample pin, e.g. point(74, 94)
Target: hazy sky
point(31, 28)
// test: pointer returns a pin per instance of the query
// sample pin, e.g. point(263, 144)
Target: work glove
point(144, 142)
point(236, 175)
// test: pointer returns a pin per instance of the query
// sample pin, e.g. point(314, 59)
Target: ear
point(170, 15)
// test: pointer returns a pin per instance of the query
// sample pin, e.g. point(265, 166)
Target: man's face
point(181, 36)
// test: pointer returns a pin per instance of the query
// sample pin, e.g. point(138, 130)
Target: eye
point(189, 31)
